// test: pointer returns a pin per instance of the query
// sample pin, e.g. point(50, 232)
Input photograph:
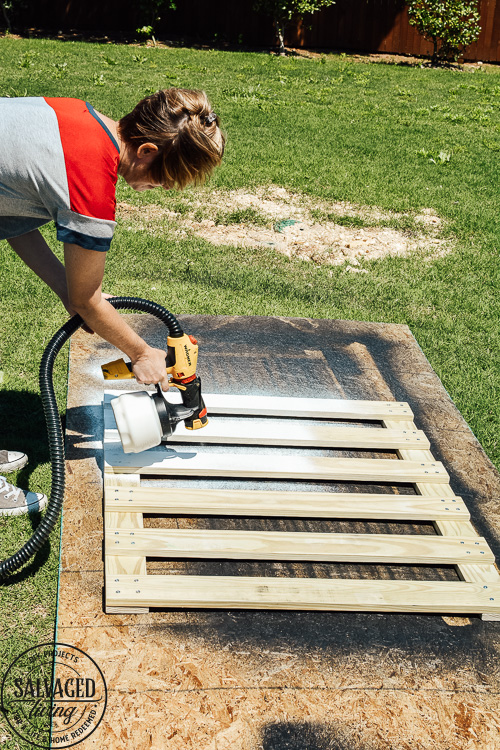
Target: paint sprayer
point(143, 420)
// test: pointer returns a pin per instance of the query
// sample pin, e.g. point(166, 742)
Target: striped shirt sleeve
point(91, 157)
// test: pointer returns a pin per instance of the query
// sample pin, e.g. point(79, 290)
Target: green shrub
point(145, 32)
point(149, 12)
point(451, 25)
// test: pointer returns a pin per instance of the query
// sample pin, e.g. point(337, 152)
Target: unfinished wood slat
point(327, 408)
point(243, 592)
point(284, 504)
point(312, 408)
point(260, 432)
point(279, 545)
point(114, 565)
point(122, 480)
point(485, 574)
point(267, 466)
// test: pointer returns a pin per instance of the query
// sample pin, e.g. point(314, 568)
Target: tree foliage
point(10, 11)
point(282, 12)
point(451, 25)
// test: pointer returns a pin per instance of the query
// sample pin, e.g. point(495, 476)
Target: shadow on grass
point(22, 428)
point(179, 41)
point(37, 562)
point(127, 38)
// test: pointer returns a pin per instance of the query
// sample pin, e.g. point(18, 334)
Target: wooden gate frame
point(129, 589)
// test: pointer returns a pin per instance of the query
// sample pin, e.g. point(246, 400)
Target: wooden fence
point(350, 25)
point(383, 26)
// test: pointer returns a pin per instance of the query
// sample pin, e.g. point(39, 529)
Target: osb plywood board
point(276, 680)
point(176, 697)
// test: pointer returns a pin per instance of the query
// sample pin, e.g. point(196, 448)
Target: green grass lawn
point(329, 127)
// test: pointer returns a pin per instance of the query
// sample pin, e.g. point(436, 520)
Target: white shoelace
point(13, 492)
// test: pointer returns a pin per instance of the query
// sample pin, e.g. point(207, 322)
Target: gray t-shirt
point(58, 162)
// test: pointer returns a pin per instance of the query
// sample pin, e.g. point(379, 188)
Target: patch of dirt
point(294, 224)
point(390, 58)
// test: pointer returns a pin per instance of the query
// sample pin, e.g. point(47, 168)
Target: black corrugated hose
point(54, 427)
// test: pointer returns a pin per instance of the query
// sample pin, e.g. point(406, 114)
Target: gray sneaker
point(12, 460)
point(15, 502)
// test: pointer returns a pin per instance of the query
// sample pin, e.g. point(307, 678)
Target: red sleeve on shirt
point(91, 159)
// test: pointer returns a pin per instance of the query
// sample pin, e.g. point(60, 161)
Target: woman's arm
point(78, 285)
point(35, 252)
point(84, 274)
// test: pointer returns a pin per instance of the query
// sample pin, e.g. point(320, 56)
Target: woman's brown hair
point(181, 123)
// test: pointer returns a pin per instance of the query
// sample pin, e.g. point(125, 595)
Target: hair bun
point(175, 121)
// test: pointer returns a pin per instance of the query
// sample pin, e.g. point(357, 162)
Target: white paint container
point(137, 421)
